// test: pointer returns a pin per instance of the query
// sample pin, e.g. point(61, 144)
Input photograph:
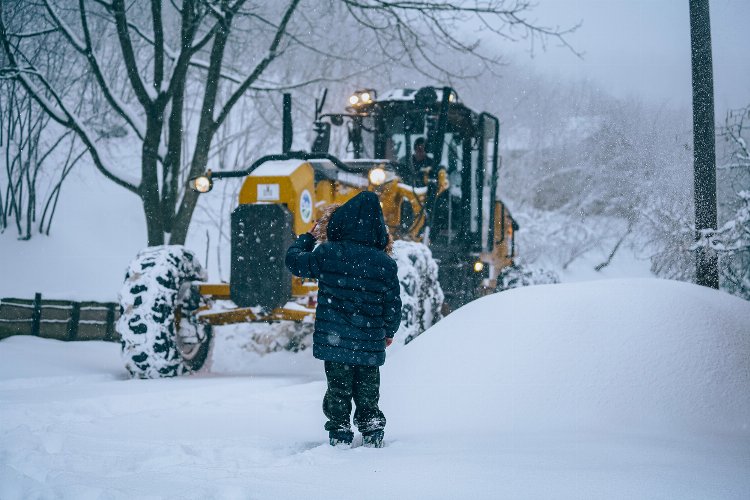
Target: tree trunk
point(149, 188)
point(206, 130)
point(181, 221)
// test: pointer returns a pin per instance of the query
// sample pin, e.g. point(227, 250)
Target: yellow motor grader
point(450, 207)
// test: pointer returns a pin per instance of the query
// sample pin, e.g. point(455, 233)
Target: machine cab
point(467, 227)
point(460, 141)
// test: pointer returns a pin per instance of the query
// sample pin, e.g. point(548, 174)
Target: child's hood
point(359, 220)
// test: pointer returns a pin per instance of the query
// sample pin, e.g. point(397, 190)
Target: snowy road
point(477, 409)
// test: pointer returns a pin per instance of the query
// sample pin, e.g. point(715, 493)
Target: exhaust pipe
point(286, 140)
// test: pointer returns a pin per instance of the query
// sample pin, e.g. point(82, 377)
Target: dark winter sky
point(642, 47)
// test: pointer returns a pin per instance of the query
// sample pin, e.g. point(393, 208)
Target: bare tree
point(148, 58)
point(36, 163)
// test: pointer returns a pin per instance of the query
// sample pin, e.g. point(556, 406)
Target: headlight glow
point(377, 176)
point(202, 184)
point(362, 97)
point(478, 266)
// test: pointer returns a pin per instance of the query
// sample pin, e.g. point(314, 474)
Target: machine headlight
point(201, 184)
point(377, 176)
point(478, 266)
point(362, 97)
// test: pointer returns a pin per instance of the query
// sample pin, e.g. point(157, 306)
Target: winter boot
point(340, 439)
point(339, 443)
point(373, 439)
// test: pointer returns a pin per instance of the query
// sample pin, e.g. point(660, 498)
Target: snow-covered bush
point(734, 254)
point(421, 295)
point(672, 221)
point(264, 338)
point(675, 256)
point(731, 243)
point(670, 234)
point(516, 276)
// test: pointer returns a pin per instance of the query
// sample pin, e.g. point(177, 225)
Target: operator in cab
point(421, 165)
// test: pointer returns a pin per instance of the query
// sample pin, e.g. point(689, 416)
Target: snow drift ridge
point(637, 352)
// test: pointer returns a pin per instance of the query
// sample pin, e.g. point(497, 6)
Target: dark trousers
point(347, 382)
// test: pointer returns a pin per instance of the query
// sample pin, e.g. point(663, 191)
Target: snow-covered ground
point(99, 228)
point(633, 388)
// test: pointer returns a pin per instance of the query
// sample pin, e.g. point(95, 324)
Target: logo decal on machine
point(268, 192)
point(306, 206)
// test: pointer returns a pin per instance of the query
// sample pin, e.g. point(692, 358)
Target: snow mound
point(636, 354)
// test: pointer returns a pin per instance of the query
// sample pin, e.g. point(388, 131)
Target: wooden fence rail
point(59, 319)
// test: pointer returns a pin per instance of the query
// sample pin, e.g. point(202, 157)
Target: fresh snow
point(635, 388)
point(99, 228)
point(281, 168)
point(607, 389)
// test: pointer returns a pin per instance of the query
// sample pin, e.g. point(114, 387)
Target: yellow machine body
point(470, 232)
point(292, 183)
point(284, 182)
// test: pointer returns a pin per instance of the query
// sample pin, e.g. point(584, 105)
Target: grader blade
point(246, 314)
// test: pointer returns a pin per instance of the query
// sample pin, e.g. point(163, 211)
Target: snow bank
point(622, 353)
point(552, 391)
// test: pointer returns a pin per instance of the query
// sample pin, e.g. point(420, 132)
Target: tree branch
point(120, 107)
point(141, 91)
point(158, 44)
point(64, 28)
point(63, 115)
point(32, 34)
point(262, 65)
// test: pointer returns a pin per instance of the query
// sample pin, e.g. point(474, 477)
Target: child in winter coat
point(359, 311)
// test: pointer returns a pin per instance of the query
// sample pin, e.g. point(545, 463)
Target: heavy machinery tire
point(160, 335)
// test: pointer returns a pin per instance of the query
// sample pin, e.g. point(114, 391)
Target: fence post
point(75, 316)
point(109, 335)
point(36, 315)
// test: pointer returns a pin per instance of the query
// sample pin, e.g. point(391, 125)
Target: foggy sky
point(642, 48)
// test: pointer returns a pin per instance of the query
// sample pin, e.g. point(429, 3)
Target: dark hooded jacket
point(359, 302)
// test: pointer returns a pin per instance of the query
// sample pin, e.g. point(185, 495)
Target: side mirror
point(202, 183)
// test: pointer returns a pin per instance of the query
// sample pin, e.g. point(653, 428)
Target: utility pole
point(704, 147)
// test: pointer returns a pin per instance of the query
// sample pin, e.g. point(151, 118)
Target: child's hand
point(388, 341)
